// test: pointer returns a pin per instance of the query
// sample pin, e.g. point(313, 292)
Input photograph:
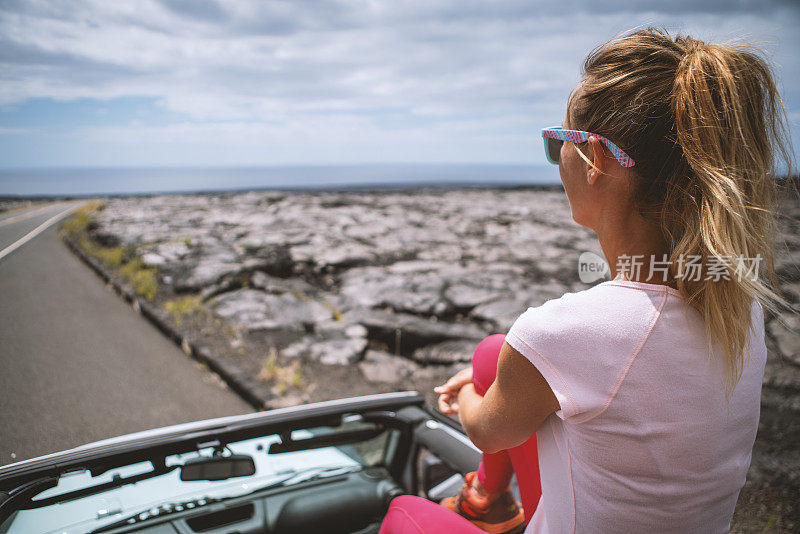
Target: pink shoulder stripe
point(621, 378)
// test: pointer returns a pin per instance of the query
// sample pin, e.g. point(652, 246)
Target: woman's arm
point(514, 406)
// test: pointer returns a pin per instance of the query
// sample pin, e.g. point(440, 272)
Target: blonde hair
point(703, 122)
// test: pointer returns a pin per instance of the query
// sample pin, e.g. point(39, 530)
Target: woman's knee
point(400, 519)
point(484, 362)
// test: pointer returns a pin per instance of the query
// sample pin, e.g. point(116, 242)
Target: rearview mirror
point(218, 467)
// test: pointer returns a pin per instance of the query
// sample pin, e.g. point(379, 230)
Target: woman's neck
point(635, 249)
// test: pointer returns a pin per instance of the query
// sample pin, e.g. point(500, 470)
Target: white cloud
point(235, 65)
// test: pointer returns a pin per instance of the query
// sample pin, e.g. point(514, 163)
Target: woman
point(641, 393)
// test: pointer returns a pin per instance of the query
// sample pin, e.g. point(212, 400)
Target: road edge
point(234, 377)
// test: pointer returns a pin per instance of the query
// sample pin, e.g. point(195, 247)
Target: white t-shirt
point(644, 440)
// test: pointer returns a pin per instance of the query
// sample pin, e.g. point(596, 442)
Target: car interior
point(320, 469)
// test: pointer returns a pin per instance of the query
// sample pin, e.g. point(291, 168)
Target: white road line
point(36, 231)
point(25, 215)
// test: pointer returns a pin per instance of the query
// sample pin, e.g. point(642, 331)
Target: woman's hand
point(448, 392)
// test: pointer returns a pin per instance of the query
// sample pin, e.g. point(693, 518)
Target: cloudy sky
point(206, 83)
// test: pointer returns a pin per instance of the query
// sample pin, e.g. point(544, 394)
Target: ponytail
point(704, 124)
point(727, 122)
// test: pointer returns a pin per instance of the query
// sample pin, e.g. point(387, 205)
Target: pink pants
point(409, 514)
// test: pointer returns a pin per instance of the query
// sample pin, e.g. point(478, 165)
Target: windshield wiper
point(290, 479)
point(312, 473)
point(115, 482)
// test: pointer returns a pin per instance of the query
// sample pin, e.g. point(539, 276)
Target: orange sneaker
point(496, 513)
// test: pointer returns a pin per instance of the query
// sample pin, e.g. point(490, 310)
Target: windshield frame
point(98, 458)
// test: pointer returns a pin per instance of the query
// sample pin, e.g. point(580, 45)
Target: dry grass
point(282, 376)
point(111, 256)
point(183, 307)
point(142, 278)
point(78, 223)
point(337, 315)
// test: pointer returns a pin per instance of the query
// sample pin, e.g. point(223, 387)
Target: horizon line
point(266, 165)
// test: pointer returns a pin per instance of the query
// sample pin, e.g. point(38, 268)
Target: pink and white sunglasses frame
point(578, 136)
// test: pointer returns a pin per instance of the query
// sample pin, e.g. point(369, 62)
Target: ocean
point(138, 181)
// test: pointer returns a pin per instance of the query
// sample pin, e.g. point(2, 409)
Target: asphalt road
point(78, 364)
point(17, 223)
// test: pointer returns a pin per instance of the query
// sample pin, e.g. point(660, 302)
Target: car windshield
point(146, 497)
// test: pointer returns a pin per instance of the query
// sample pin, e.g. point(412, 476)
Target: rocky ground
point(393, 289)
point(320, 295)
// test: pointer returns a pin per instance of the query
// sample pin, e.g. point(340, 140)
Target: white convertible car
point(326, 467)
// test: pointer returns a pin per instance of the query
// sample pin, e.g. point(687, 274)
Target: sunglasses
point(554, 139)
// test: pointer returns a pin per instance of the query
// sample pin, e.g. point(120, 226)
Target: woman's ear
point(598, 166)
